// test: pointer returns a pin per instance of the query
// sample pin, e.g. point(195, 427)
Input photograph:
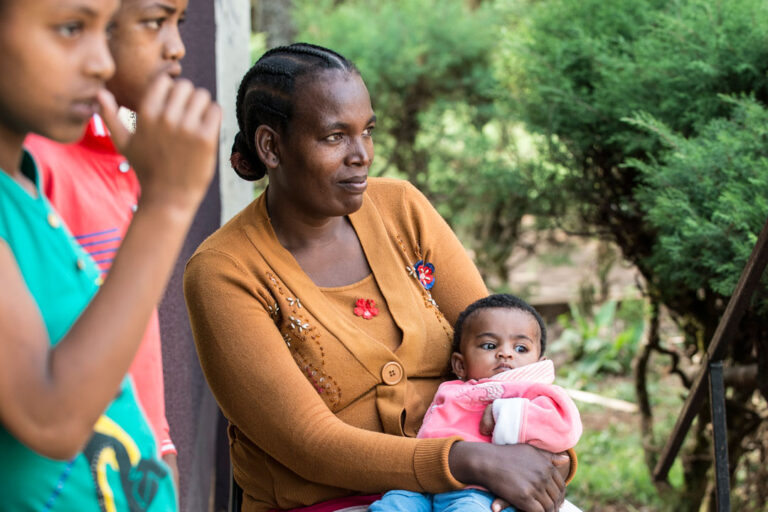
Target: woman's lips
point(357, 184)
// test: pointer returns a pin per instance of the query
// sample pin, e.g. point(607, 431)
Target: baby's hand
point(487, 423)
point(174, 148)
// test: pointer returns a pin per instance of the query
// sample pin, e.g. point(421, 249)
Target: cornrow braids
point(266, 95)
point(498, 300)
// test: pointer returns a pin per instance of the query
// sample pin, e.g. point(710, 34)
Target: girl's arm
point(51, 397)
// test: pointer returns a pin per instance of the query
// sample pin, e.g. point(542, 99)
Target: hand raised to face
point(173, 150)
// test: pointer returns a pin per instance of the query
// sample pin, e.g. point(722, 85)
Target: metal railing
point(711, 373)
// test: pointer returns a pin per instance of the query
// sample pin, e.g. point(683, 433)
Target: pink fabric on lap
point(338, 505)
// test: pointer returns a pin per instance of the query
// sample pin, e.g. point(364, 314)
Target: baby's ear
point(457, 364)
point(543, 358)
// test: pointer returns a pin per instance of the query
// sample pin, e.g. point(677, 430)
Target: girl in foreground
point(71, 433)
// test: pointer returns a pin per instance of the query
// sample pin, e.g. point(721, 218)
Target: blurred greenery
point(600, 342)
point(612, 473)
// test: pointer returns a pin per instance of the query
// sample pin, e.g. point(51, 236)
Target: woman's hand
point(561, 462)
point(520, 474)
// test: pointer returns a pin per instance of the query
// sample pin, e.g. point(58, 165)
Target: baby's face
point(495, 340)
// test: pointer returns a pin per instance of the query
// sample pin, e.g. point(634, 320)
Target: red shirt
point(95, 191)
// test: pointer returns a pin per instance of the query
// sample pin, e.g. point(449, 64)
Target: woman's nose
point(361, 152)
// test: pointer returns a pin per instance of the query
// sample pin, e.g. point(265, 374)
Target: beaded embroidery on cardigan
point(297, 330)
point(429, 302)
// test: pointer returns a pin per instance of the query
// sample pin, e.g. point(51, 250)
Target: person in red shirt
point(96, 191)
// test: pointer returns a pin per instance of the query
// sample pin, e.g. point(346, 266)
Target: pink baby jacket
point(527, 408)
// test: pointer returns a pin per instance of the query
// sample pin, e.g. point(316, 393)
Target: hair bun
point(244, 161)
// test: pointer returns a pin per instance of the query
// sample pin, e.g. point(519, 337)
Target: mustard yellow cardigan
point(319, 409)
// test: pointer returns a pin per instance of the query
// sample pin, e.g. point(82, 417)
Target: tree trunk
point(275, 18)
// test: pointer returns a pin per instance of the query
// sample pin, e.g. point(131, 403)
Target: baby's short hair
point(498, 300)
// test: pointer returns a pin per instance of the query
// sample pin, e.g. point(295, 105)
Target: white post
point(233, 30)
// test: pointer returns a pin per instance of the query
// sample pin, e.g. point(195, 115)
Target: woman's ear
point(457, 363)
point(266, 146)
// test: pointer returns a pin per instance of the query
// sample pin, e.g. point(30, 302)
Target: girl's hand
point(174, 148)
point(520, 474)
point(487, 423)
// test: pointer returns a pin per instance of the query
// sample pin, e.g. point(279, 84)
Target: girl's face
point(494, 340)
point(55, 61)
point(145, 43)
point(325, 156)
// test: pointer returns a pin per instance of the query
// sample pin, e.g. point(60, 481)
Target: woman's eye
point(334, 137)
point(369, 131)
point(70, 29)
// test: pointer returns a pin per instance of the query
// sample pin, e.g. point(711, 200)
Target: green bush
point(601, 342)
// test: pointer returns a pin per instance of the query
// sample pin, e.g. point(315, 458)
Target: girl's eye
point(521, 349)
point(70, 29)
point(488, 346)
point(154, 24)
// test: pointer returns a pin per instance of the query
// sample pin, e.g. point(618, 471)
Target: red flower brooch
point(425, 273)
point(366, 308)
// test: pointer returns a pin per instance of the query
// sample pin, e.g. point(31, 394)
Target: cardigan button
point(391, 373)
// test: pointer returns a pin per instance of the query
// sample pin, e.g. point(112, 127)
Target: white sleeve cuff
point(508, 413)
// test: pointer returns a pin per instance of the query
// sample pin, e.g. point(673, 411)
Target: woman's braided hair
point(266, 97)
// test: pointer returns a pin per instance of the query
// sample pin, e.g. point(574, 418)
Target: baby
point(498, 346)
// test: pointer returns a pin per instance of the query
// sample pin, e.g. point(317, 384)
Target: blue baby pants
point(465, 500)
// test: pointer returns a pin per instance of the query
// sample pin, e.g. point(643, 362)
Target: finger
point(499, 504)
point(211, 122)
point(155, 98)
point(109, 109)
point(487, 422)
point(195, 108)
point(178, 98)
point(550, 497)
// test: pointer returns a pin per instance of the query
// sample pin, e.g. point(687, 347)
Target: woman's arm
point(51, 397)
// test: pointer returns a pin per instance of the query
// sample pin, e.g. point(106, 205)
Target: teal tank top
point(119, 469)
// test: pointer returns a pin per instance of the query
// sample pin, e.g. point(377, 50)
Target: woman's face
point(327, 149)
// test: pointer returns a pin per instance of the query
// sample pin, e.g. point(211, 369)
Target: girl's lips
point(84, 109)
